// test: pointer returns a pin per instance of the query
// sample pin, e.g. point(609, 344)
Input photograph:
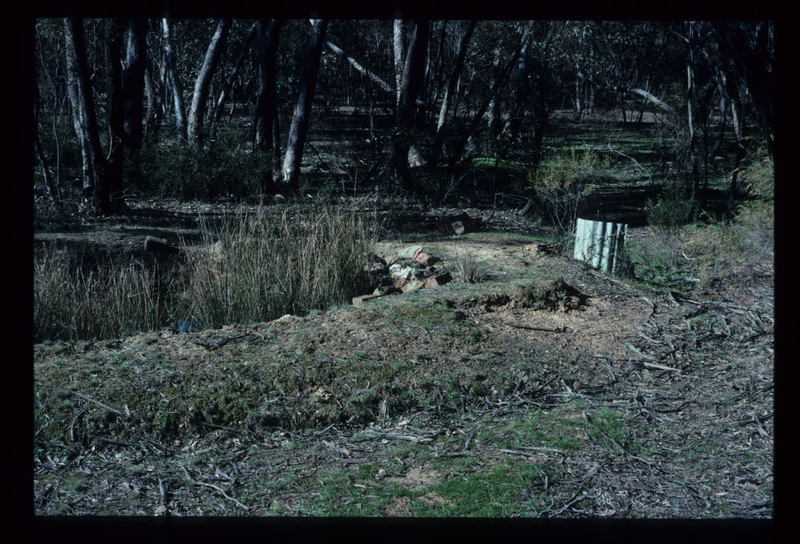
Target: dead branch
point(222, 492)
point(100, 404)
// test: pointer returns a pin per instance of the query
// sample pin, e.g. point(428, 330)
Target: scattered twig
point(532, 456)
point(122, 443)
point(638, 352)
point(527, 328)
point(162, 489)
point(622, 448)
point(397, 436)
point(579, 494)
point(542, 448)
point(100, 404)
point(660, 367)
point(222, 427)
point(338, 449)
point(222, 342)
point(222, 492)
point(72, 424)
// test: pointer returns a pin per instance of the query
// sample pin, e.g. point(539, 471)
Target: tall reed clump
point(260, 267)
point(71, 302)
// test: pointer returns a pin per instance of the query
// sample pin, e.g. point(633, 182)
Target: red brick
point(438, 281)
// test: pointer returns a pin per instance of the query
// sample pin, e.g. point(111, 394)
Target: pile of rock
point(410, 270)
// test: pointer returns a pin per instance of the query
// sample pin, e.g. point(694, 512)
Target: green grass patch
point(498, 491)
point(558, 429)
point(343, 493)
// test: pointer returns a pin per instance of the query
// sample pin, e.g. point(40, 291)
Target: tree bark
point(267, 35)
point(455, 76)
point(752, 65)
point(216, 112)
point(116, 115)
point(203, 83)
point(647, 96)
point(133, 94)
point(52, 186)
point(367, 73)
point(397, 47)
point(290, 175)
point(133, 83)
point(97, 188)
point(150, 126)
point(476, 120)
point(413, 73)
point(491, 110)
point(173, 81)
point(78, 123)
point(359, 68)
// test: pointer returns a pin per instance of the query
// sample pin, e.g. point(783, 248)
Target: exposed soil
point(613, 403)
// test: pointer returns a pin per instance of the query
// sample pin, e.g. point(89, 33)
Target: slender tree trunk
point(133, 83)
point(455, 77)
point(203, 83)
point(751, 61)
point(413, 73)
point(52, 188)
point(86, 120)
point(116, 115)
point(491, 110)
point(78, 123)
point(173, 81)
point(302, 112)
point(579, 90)
point(397, 46)
point(359, 68)
point(227, 86)
point(267, 36)
point(458, 150)
point(150, 126)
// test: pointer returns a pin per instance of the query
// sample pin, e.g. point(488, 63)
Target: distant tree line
point(110, 85)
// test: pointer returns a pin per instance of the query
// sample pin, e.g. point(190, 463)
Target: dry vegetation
point(542, 390)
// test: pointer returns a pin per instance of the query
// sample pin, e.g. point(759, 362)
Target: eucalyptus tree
point(266, 122)
point(96, 171)
point(497, 84)
point(748, 53)
point(202, 84)
point(173, 80)
point(133, 90)
point(227, 90)
point(450, 91)
point(290, 172)
point(413, 74)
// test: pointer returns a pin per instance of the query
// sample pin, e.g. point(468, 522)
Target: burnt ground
point(466, 400)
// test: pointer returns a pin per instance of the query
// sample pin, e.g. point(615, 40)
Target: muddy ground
point(466, 400)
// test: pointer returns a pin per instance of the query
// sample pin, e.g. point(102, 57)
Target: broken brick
point(438, 281)
point(400, 282)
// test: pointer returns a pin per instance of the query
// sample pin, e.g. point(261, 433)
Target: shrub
point(566, 170)
point(222, 167)
point(660, 259)
point(558, 182)
point(669, 211)
point(468, 268)
point(759, 176)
